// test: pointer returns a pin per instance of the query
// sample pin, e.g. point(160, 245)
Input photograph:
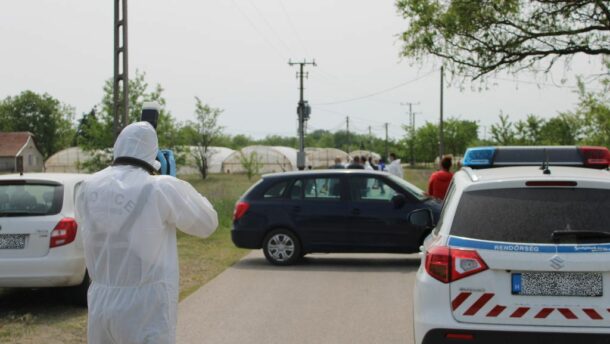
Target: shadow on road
point(333, 263)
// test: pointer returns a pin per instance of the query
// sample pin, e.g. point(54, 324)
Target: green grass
point(418, 177)
point(45, 315)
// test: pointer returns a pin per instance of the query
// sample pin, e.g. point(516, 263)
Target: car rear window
point(531, 215)
point(21, 198)
point(276, 190)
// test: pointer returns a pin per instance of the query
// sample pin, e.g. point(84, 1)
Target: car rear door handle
point(355, 211)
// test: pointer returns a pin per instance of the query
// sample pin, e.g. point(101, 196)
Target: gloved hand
point(168, 163)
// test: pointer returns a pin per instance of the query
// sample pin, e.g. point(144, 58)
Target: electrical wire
point(275, 48)
point(279, 39)
point(293, 27)
point(378, 92)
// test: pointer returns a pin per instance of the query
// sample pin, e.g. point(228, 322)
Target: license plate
point(12, 241)
point(586, 284)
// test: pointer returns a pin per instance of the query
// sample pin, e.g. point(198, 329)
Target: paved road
point(326, 299)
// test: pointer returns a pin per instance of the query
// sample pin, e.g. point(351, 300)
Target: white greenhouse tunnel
point(272, 159)
point(222, 159)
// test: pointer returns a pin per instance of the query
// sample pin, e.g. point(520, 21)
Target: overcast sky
point(233, 54)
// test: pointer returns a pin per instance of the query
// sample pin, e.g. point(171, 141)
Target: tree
point(426, 142)
point(478, 37)
point(206, 131)
point(251, 163)
point(459, 135)
point(44, 116)
point(594, 109)
point(529, 132)
point(562, 130)
point(98, 126)
point(503, 133)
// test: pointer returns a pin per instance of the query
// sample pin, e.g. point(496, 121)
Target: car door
point(375, 223)
point(318, 207)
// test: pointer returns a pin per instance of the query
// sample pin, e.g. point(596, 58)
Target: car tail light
point(64, 233)
point(240, 210)
point(449, 264)
point(595, 156)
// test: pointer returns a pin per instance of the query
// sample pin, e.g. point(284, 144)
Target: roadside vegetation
point(46, 315)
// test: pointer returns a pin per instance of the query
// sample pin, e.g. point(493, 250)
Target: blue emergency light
point(576, 156)
point(479, 157)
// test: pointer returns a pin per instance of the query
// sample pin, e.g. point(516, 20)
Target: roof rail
point(470, 172)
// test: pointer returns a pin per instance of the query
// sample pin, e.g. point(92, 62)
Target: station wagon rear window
point(531, 215)
point(276, 190)
point(22, 198)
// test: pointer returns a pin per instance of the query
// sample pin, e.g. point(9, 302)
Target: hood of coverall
point(138, 140)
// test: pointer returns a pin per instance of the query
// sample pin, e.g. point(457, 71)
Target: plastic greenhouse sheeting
point(271, 159)
point(67, 160)
point(364, 153)
point(216, 156)
point(324, 157)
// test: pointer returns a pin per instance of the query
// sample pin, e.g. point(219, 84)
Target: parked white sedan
point(40, 245)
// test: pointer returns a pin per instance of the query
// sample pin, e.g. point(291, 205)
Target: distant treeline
point(54, 126)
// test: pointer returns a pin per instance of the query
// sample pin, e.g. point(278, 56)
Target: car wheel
point(78, 294)
point(282, 247)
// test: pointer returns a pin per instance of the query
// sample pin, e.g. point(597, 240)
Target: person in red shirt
point(439, 181)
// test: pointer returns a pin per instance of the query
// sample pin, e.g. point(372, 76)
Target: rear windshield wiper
point(557, 235)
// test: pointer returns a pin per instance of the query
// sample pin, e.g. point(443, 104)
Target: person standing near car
point(356, 165)
point(338, 164)
point(128, 218)
point(395, 166)
point(439, 181)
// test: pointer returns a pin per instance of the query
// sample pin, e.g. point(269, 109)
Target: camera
point(150, 114)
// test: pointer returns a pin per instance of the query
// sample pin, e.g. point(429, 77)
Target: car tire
point(282, 247)
point(78, 294)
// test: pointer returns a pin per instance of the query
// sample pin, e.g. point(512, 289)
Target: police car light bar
point(583, 156)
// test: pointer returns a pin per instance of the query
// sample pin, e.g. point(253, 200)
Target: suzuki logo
point(557, 262)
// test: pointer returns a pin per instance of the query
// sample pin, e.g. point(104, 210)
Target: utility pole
point(303, 112)
point(121, 75)
point(348, 138)
point(441, 142)
point(386, 140)
point(411, 131)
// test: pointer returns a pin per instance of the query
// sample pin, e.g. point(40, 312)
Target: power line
point(279, 38)
point(277, 50)
point(291, 24)
point(378, 92)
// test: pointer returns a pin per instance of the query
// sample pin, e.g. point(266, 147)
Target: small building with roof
point(19, 144)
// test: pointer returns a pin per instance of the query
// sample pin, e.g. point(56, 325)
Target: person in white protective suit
point(128, 220)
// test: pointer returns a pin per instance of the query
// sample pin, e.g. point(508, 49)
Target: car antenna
point(545, 164)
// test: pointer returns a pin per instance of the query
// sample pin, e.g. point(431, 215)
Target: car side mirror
point(421, 218)
point(399, 200)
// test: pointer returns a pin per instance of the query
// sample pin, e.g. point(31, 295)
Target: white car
point(40, 244)
point(520, 255)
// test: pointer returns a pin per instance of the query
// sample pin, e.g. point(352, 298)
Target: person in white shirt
point(395, 167)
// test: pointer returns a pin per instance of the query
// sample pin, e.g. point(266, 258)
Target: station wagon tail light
point(64, 233)
point(449, 264)
point(240, 210)
point(598, 157)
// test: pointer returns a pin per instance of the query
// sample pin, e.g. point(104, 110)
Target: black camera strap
point(126, 160)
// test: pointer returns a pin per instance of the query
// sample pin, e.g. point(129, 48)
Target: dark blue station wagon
point(291, 214)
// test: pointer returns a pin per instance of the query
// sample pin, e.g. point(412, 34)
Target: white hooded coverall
point(395, 168)
point(128, 220)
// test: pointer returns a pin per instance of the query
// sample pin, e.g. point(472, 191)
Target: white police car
point(520, 255)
